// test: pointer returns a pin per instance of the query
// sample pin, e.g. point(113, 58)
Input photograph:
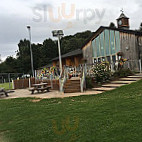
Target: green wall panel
point(102, 44)
point(107, 42)
point(98, 46)
point(117, 41)
point(112, 42)
point(94, 48)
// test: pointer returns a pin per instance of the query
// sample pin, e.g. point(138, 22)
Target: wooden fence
point(24, 83)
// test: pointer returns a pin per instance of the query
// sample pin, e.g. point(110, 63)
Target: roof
point(123, 16)
point(95, 34)
point(47, 66)
point(69, 54)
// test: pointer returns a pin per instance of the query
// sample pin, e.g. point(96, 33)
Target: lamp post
point(32, 66)
point(59, 34)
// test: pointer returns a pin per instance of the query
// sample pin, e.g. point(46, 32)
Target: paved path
point(24, 93)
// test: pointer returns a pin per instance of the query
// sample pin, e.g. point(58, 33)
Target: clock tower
point(123, 21)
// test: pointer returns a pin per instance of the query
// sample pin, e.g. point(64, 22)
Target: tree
point(112, 25)
point(42, 53)
point(140, 29)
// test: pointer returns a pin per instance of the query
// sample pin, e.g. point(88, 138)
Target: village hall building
point(107, 44)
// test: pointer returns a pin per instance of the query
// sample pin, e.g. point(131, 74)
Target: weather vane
point(122, 10)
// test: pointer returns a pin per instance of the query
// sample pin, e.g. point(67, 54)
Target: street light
point(59, 34)
point(32, 66)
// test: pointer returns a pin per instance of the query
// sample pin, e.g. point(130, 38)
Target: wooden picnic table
point(40, 87)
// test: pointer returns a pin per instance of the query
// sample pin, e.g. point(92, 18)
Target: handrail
point(63, 80)
point(82, 80)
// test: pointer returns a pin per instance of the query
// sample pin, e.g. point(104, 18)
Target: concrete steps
point(121, 82)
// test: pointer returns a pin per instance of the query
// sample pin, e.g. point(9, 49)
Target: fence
point(26, 83)
point(6, 79)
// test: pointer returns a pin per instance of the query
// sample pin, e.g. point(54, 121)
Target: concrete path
point(24, 93)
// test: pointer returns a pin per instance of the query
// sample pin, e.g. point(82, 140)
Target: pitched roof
point(123, 16)
point(69, 54)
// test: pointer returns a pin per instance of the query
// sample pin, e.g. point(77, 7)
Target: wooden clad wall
point(129, 47)
point(88, 53)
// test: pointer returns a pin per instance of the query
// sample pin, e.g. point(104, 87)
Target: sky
point(73, 16)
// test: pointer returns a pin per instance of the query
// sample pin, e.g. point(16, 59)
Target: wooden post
point(51, 81)
point(140, 65)
point(13, 86)
point(29, 82)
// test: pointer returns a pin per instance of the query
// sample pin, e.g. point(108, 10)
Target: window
point(112, 42)
point(94, 48)
point(102, 44)
point(98, 46)
point(117, 41)
point(107, 49)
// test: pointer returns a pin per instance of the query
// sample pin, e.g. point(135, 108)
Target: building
point(107, 44)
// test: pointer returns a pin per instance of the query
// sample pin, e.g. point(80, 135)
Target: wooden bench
point(3, 92)
point(32, 90)
point(39, 89)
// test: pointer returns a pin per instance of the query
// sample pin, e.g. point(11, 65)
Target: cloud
point(15, 15)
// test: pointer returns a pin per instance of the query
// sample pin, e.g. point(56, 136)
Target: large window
point(102, 44)
point(98, 46)
point(94, 48)
point(112, 42)
point(107, 49)
point(117, 41)
point(106, 44)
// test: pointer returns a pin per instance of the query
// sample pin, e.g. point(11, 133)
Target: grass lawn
point(6, 86)
point(114, 116)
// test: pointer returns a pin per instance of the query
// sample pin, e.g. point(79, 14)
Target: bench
point(3, 92)
point(32, 90)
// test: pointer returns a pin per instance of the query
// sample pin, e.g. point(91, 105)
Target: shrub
point(123, 73)
point(102, 72)
point(89, 82)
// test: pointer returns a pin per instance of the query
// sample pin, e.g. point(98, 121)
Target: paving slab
point(122, 82)
point(130, 79)
point(113, 85)
point(135, 76)
point(103, 89)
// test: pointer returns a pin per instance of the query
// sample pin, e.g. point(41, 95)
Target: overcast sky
point(71, 16)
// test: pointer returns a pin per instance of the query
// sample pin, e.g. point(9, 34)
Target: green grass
point(6, 86)
point(115, 116)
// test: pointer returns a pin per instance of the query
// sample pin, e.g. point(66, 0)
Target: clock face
point(120, 22)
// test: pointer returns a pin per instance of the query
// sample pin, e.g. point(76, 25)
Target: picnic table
point(40, 87)
point(3, 92)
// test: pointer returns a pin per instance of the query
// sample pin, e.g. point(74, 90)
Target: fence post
point(29, 82)
point(51, 81)
point(13, 86)
point(9, 79)
point(140, 65)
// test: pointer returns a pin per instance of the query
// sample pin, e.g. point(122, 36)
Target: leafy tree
point(112, 25)
point(42, 53)
point(140, 29)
